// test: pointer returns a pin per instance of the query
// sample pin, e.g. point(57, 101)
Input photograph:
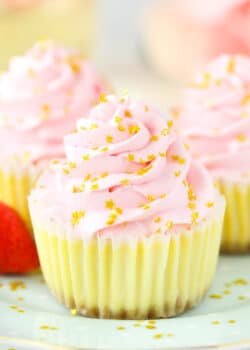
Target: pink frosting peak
point(42, 95)
point(215, 116)
point(126, 171)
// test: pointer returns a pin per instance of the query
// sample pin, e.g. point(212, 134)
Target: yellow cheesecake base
point(236, 232)
point(152, 277)
point(15, 187)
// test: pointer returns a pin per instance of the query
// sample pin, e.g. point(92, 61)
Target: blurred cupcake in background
point(24, 22)
point(42, 94)
point(215, 119)
point(182, 36)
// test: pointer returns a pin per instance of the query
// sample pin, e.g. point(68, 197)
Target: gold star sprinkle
point(245, 100)
point(195, 216)
point(85, 157)
point(154, 138)
point(170, 123)
point(127, 113)
point(119, 211)
point(131, 157)
point(146, 109)
point(177, 173)
point(125, 182)
point(164, 132)
point(103, 98)
point(146, 206)
point(109, 139)
point(210, 204)
point(118, 119)
point(104, 149)
point(121, 128)
point(66, 171)
point(72, 165)
point(231, 65)
point(93, 126)
point(158, 336)
point(133, 129)
point(157, 220)
point(94, 187)
point(162, 154)
point(150, 197)
point(241, 138)
point(191, 206)
point(163, 195)
point(87, 177)
point(103, 175)
point(76, 216)
point(109, 204)
point(169, 224)
point(151, 157)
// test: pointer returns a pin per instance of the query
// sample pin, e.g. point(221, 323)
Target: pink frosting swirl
point(215, 116)
point(126, 170)
point(42, 95)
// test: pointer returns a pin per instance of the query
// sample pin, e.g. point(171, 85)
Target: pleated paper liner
point(236, 232)
point(16, 182)
point(150, 277)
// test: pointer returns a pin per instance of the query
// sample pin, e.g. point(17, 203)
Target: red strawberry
point(17, 248)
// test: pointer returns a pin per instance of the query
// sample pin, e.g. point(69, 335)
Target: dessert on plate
point(127, 226)
point(215, 119)
point(42, 94)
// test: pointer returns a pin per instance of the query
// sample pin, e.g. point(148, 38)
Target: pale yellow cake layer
point(14, 190)
point(154, 277)
point(236, 232)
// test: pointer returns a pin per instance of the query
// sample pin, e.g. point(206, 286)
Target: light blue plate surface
point(28, 311)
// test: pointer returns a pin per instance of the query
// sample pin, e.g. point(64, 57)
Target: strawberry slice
point(17, 248)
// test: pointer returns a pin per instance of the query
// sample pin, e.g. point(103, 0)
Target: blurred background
point(150, 47)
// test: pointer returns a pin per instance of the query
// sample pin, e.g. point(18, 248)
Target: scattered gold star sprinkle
point(73, 312)
point(163, 195)
point(191, 205)
point(245, 100)
point(215, 322)
point(131, 157)
point(150, 197)
point(231, 65)
point(76, 216)
point(146, 109)
point(85, 156)
point(109, 139)
point(244, 115)
point(118, 119)
point(157, 220)
point(48, 328)
point(162, 154)
point(133, 129)
point(136, 325)
point(109, 204)
point(125, 182)
point(105, 174)
point(104, 149)
point(146, 206)
point(215, 296)
point(231, 321)
point(93, 126)
point(151, 157)
point(194, 216)
point(241, 137)
point(158, 336)
point(15, 285)
point(72, 165)
point(154, 138)
point(94, 187)
point(240, 282)
point(127, 113)
point(164, 132)
point(177, 173)
point(143, 171)
point(169, 224)
point(66, 171)
point(149, 326)
point(210, 204)
point(242, 297)
point(121, 128)
point(120, 328)
point(103, 98)
point(226, 292)
point(170, 334)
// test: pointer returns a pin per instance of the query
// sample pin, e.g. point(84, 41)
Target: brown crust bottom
point(235, 248)
point(169, 310)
